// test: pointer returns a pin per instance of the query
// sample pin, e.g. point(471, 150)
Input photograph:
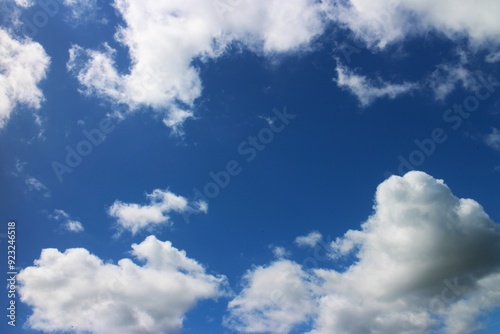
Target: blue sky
point(225, 166)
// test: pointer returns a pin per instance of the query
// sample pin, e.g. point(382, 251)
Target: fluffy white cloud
point(419, 240)
point(425, 258)
point(274, 299)
point(366, 90)
point(310, 240)
point(23, 64)
point(77, 291)
point(164, 37)
point(135, 217)
point(380, 22)
point(68, 223)
point(493, 139)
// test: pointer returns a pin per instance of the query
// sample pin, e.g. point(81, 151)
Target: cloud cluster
point(135, 217)
point(164, 37)
point(77, 291)
point(366, 90)
point(424, 258)
point(23, 64)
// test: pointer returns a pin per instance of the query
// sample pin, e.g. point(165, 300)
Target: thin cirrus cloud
point(23, 64)
point(77, 291)
point(164, 37)
point(135, 217)
point(425, 258)
point(367, 90)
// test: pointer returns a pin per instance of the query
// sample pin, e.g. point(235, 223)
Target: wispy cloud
point(35, 185)
point(493, 139)
point(368, 90)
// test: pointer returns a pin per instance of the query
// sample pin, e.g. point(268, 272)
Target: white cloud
point(77, 291)
point(425, 258)
point(81, 11)
point(35, 185)
point(274, 299)
point(446, 76)
point(176, 118)
point(135, 217)
point(69, 224)
point(25, 3)
point(23, 64)
point(74, 226)
point(493, 139)
point(280, 252)
point(310, 240)
point(381, 22)
point(366, 90)
point(164, 37)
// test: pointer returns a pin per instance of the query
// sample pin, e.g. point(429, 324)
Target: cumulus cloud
point(309, 240)
point(135, 217)
point(23, 64)
point(493, 139)
point(77, 291)
point(68, 223)
point(164, 37)
point(274, 299)
point(381, 22)
point(425, 259)
point(367, 90)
